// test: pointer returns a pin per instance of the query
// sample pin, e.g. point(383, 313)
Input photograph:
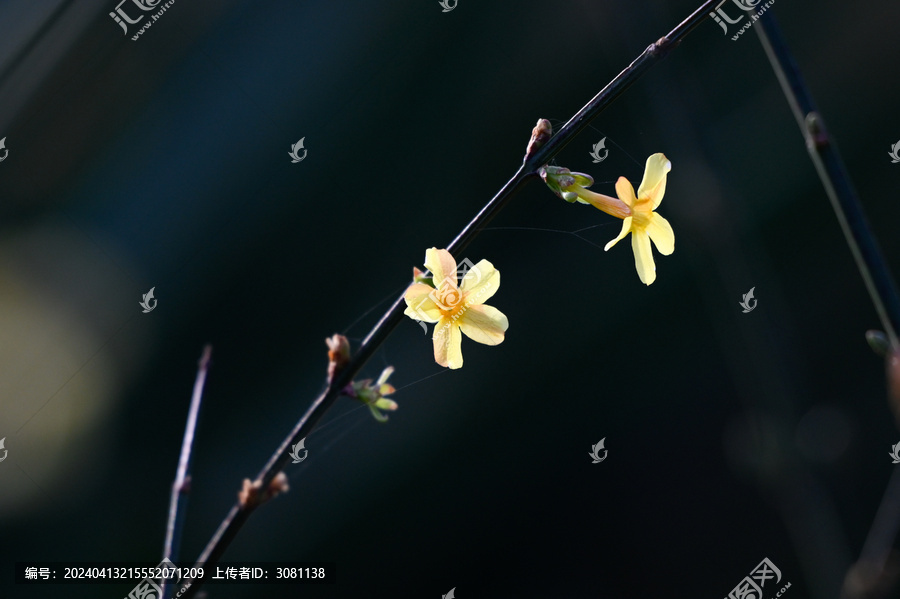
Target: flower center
point(450, 300)
point(641, 213)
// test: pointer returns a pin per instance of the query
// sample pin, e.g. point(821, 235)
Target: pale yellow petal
point(448, 344)
point(653, 186)
point(417, 291)
point(484, 324)
point(643, 257)
point(625, 191)
point(385, 374)
point(420, 305)
point(480, 283)
point(626, 227)
point(432, 315)
point(660, 231)
point(442, 266)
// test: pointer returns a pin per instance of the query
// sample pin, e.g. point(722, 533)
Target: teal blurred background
point(163, 163)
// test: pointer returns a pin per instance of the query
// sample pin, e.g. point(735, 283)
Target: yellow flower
point(637, 211)
point(457, 308)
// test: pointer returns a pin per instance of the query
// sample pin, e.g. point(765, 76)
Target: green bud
point(879, 342)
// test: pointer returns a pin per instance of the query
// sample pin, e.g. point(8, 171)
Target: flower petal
point(378, 415)
point(660, 231)
point(420, 305)
point(643, 257)
point(653, 185)
point(480, 283)
point(385, 374)
point(447, 344)
point(386, 404)
point(625, 191)
point(442, 266)
point(626, 228)
point(484, 324)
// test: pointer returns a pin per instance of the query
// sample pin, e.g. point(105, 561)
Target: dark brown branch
point(875, 568)
point(534, 160)
point(825, 157)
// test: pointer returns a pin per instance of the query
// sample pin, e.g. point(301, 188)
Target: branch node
point(250, 496)
point(661, 47)
point(815, 128)
point(539, 136)
point(338, 355)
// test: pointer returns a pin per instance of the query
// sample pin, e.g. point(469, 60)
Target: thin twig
point(881, 536)
point(181, 486)
point(827, 160)
point(537, 158)
point(869, 260)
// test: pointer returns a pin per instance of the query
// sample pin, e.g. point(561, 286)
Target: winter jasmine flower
point(456, 308)
point(636, 210)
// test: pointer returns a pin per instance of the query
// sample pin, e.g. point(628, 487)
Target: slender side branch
point(827, 160)
point(534, 160)
point(181, 486)
point(870, 571)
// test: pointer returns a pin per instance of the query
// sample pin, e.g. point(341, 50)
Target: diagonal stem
point(827, 160)
point(181, 486)
point(869, 259)
point(236, 517)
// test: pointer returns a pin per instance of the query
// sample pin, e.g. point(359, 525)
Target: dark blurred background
point(163, 163)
